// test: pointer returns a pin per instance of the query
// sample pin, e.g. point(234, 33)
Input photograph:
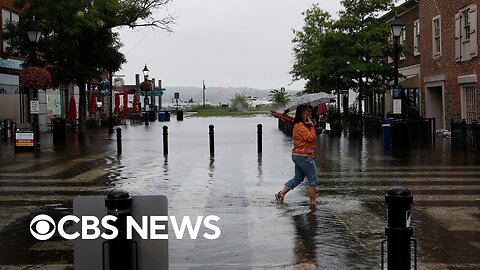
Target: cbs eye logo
point(42, 227)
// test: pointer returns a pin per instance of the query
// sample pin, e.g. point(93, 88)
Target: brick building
point(449, 60)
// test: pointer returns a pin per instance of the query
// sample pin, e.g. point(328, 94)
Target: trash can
point(401, 135)
point(152, 116)
point(180, 115)
point(387, 132)
point(161, 116)
point(59, 128)
point(167, 116)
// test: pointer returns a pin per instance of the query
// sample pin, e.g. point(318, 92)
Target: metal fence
point(465, 136)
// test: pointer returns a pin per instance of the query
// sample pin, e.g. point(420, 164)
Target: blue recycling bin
point(161, 116)
point(387, 132)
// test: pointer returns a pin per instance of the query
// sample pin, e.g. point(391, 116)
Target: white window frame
point(469, 111)
point(434, 37)
point(416, 37)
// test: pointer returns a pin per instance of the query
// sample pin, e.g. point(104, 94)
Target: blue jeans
point(304, 167)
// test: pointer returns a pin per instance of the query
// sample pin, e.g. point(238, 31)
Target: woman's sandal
point(278, 197)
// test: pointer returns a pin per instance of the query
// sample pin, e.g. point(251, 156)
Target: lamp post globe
point(33, 32)
point(145, 72)
point(396, 26)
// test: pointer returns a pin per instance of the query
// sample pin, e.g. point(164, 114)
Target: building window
point(403, 43)
point(466, 45)
point(7, 17)
point(437, 36)
point(416, 40)
point(469, 104)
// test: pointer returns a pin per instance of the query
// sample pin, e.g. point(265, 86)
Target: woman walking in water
point(303, 155)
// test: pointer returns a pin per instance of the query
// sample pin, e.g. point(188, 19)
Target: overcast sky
point(237, 43)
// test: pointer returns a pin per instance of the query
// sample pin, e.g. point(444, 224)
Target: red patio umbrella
point(117, 102)
point(72, 109)
point(93, 103)
point(125, 103)
point(135, 101)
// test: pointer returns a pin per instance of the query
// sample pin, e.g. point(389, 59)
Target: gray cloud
point(224, 42)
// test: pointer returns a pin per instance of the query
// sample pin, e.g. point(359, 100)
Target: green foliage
point(279, 98)
point(196, 108)
point(239, 103)
point(348, 53)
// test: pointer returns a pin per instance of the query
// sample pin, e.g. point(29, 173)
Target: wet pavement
point(238, 186)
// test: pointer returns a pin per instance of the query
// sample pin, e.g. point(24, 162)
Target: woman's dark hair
point(299, 112)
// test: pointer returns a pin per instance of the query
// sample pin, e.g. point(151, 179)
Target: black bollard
point(165, 141)
point(259, 139)
point(119, 141)
point(212, 140)
point(119, 253)
point(398, 230)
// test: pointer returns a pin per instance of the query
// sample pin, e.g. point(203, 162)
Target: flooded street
point(238, 186)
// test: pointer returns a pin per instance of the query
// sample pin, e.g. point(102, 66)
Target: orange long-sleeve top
point(304, 140)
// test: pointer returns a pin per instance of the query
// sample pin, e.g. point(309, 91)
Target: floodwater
point(238, 185)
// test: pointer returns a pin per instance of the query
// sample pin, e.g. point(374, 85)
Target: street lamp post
point(110, 116)
point(145, 101)
point(396, 27)
point(34, 34)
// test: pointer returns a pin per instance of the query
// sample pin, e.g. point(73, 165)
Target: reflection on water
point(305, 245)
point(259, 170)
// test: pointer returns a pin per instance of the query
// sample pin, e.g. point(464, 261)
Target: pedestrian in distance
point(303, 155)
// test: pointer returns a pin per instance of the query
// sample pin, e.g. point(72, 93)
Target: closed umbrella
point(135, 101)
point(93, 103)
point(72, 109)
point(125, 103)
point(117, 102)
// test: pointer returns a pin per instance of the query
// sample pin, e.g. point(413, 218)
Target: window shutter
point(473, 31)
point(458, 38)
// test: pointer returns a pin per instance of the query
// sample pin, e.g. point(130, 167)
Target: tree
point(348, 53)
point(279, 98)
point(239, 102)
point(78, 44)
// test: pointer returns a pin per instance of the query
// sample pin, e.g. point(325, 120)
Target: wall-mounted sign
point(11, 64)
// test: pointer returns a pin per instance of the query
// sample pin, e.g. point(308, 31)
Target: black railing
point(465, 136)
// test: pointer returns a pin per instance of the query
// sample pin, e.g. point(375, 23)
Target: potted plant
point(35, 78)
point(146, 86)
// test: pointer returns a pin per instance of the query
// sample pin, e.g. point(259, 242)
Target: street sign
point(34, 107)
point(397, 92)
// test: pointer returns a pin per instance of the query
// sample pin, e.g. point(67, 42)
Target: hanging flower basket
point(146, 86)
point(35, 78)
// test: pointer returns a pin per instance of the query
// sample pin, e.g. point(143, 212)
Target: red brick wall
point(445, 65)
point(408, 18)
